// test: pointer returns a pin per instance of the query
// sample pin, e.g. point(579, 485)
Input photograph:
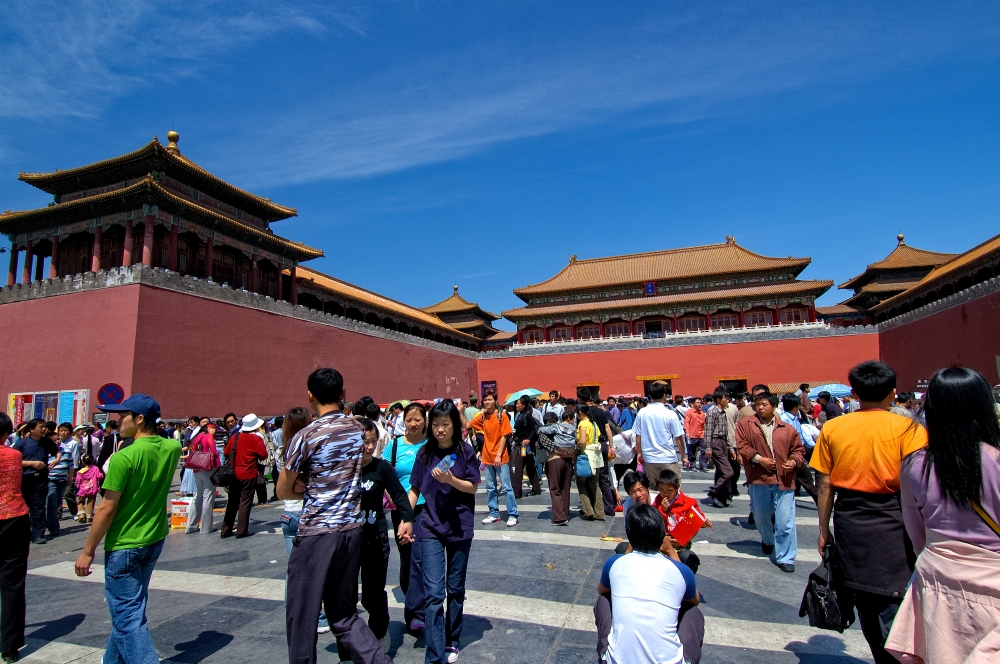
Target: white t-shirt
point(658, 426)
point(646, 592)
point(624, 446)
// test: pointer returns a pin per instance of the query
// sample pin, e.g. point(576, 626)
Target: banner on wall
point(62, 406)
point(487, 385)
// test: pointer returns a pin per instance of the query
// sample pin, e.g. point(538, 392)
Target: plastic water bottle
point(445, 464)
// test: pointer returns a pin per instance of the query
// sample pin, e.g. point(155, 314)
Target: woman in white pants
point(203, 502)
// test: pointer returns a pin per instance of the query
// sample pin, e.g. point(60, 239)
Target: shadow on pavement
point(201, 647)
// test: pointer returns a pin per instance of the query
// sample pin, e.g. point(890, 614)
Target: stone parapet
point(159, 278)
point(733, 336)
point(961, 297)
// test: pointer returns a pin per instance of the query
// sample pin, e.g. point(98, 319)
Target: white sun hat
point(251, 422)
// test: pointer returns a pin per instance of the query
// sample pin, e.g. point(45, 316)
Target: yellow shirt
point(862, 451)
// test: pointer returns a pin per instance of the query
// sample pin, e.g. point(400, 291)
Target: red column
point(54, 262)
point(572, 331)
point(26, 272)
point(812, 313)
point(147, 242)
point(708, 321)
point(777, 315)
point(676, 325)
point(209, 256)
point(127, 249)
point(253, 273)
point(293, 286)
point(742, 319)
point(520, 336)
point(15, 253)
point(172, 254)
point(95, 255)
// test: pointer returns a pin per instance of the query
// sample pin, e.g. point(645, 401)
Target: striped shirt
point(327, 454)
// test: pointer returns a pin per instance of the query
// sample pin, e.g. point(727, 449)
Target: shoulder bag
point(200, 459)
point(224, 475)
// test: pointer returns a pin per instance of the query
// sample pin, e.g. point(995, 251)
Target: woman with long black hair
point(401, 453)
point(522, 455)
point(446, 475)
point(951, 504)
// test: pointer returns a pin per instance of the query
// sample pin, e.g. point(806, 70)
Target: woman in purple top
point(444, 530)
point(951, 502)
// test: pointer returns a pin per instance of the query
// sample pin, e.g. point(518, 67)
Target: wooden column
point(147, 242)
point(15, 253)
point(293, 287)
point(26, 272)
point(253, 274)
point(54, 262)
point(39, 267)
point(172, 254)
point(743, 322)
point(777, 315)
point(127, 249)
point(708, 321)
point(812, 313)
point(676, 324)
point(95, 255)
point(209, 256)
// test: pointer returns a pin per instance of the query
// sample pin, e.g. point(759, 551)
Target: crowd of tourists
point(913, 497)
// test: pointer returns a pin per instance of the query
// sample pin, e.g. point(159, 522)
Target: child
point(671, 503)
point(88, 483)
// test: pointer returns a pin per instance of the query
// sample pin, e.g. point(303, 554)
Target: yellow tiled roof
point(456, 303)
point(686, 263)
point(903, 256)
point(836, 309)
point(731, 294)
point(358, 294)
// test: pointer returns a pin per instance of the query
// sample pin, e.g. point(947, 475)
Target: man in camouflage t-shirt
point(323, 468)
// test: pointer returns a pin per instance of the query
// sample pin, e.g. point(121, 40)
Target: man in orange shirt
point(859, 455)
point(495, 427)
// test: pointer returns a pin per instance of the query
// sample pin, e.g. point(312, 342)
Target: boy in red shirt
point(673, 505)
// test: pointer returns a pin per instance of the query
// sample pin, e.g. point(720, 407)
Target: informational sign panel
point(62, 406)
point(46, 405)
point(20, 408)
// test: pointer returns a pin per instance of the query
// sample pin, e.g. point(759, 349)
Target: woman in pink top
point(15, 540)
point(951, 504)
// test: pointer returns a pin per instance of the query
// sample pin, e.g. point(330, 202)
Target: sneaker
point(511, 521)
point(322, 628)
point(417, 625)
point(619, 508)
point(451, 655)
point(718, 503)
point(490, 520)
point(786, 567)
point(39, 540)
point(558, 523)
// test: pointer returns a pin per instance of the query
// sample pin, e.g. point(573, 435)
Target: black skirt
point(875, 551)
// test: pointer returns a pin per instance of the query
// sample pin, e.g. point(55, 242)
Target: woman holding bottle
point(446, 475)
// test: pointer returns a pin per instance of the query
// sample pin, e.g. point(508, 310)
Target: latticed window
point(725, 321)
point(588, 332)
point(617, 329)
point(757, 318)
point(691, 324)
point(532, 336)
point(794, 315)
point(560, 334)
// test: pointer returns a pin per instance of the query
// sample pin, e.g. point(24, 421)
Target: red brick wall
point(967, 335)
point(698, 367)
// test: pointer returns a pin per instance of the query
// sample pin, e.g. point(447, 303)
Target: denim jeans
point(126, 586)
point(768, 499)
point(445, 564)
point(54, 501)
point(289, 528)
point(501, 476)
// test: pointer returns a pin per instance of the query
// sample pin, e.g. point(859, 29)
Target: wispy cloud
point(75, 59)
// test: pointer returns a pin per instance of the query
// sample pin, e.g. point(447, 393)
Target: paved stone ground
point(531, 592)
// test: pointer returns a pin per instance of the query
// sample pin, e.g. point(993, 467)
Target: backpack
point(828, 603)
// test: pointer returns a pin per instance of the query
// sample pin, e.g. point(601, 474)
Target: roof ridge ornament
point(172, 138)
point(899, 238)
point(572, 259)
point(731, 239)
point(456, 289)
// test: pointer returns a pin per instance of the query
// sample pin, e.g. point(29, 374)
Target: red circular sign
point(110, 394)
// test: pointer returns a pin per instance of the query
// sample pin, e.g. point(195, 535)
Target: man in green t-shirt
point(132, 521)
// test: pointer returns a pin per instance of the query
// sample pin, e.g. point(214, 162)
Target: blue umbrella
point(531, 392)
point(835, 389)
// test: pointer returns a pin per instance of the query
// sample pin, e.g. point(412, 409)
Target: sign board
point(62, 406)
point(650, 288)
point(100, 418)
point(110, 394)
point(21, 408)
point(46, 405)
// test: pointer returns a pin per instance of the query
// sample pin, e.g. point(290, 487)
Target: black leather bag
point(828, 603)
point(225, 475)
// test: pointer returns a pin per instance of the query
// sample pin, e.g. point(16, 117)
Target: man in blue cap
point(132, 521)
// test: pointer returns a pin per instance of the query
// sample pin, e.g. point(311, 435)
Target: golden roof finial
point(172, 138)
point(899, 238)
point(456, 289)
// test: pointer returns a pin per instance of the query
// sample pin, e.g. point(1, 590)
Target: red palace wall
point(199, 355)
point(698, 368)
point(967, 334)
point(69, 342)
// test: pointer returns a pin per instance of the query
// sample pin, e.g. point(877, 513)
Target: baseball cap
point(140, 404)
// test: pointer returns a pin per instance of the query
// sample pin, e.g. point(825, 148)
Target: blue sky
point(427, 144)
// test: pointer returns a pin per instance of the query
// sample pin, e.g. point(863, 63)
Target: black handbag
point(827, 601)
point(225, 475)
